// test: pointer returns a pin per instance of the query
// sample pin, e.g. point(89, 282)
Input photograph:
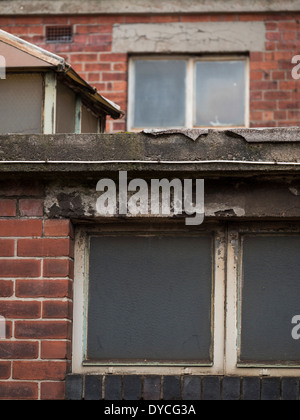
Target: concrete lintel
point(103, 7)
point(204, 37)
point(225, 197)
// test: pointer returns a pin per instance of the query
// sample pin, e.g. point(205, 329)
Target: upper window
point(188, 92)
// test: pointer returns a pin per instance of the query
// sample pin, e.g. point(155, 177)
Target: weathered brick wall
point(36, 272)
point(274, 95)
point(36, 252)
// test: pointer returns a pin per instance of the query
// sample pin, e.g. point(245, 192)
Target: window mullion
point(189, 108)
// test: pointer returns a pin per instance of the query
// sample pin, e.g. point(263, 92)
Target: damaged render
point(232, 190)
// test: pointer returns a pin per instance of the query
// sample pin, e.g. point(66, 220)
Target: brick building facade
point(94, 53)
point(47, 219)
point(48, 197)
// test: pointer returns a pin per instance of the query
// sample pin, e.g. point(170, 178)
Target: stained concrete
point(249, 174)
point(203, 37)
point(74, 7)
point(253, 151)
point(248, 198)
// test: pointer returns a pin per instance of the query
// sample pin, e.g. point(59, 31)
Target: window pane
point(89, 123)
point(270, 299)
point(150, 299)
point(65, 109)
point(159, 94)
point(220, 93)
point(21, 104)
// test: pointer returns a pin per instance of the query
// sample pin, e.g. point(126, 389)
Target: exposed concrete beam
point(76, 7)
point(217, 151)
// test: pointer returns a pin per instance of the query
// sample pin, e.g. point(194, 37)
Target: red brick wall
point(274, 96)
point(36, 272)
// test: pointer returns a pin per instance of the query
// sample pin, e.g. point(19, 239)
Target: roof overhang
point(34, 52)
point(22, 54)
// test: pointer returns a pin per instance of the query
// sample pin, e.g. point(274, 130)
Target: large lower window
point(216, 299)
point(145, 298)
point(188, 92)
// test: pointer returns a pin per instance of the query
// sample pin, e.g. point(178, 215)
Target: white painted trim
point(233, 305)
point(247, 98)
point(131, 88)
point(49, 122)
point(190, 93)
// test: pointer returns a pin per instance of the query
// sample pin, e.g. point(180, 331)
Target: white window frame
point(234, 296)
point(190, 97)
point(79, 366)
point(225, 307)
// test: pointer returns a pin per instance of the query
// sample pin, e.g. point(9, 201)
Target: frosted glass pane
point(150, 299)
point(220, 93)
point(159, 94)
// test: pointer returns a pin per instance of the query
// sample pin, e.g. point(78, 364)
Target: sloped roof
point(20, 54)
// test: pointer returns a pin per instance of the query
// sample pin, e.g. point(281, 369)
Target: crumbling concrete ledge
point(249, 173)
point(268, 150)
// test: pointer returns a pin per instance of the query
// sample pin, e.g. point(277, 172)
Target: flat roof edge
point(211, 151)
point(59, 65)
point(77, 7)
